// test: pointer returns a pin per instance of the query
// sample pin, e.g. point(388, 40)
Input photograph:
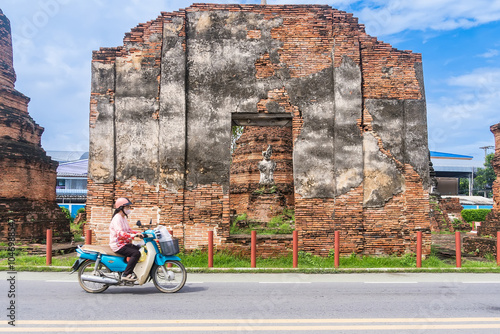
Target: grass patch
point(77, 231)
point(283, 223)
point(223, 259)
point(308, 263)
point(40, 260)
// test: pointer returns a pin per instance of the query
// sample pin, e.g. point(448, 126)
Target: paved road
point(264, 303)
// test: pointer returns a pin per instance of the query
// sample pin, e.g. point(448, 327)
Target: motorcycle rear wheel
point(170, 277)
point(87, 268)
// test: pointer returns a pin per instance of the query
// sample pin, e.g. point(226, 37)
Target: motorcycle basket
point(170, 247)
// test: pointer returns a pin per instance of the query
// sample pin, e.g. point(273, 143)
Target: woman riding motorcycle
point(121, 235)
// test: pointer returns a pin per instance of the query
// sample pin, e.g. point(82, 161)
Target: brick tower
point(28, 175)
point(492, 223)
point(245, 173)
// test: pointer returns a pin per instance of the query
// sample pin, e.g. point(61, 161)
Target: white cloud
point(486, 80)
point(394, 16)
point(463, 114)
point(489, 54)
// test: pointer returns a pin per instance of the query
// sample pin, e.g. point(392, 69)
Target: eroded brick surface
point(161, 110)
point(491, 225)
point(28, 175)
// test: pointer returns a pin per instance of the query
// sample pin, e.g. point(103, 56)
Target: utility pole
point(486, 148)
point(470, 182)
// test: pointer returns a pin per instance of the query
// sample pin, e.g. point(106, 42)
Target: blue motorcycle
point(99, 267)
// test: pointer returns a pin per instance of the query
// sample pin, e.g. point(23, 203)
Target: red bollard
point(458, 249)
point(295, 245)
point(88, 237)
point(419, 249)
point(337, 249)
point(253, 249)
point(498, 248)
point(210, 249)
point(49, 247)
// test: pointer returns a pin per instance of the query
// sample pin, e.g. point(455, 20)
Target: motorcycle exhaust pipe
point(97, 279)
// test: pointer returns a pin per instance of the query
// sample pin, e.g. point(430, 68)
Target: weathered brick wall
point(479, 246)
point(267, 246)
point(25, 178)
point(32, 219)
point(28, 175)
point(440, 219)
point(491, 225)
point(7, 74)
point(162, 105)
point(495, 129)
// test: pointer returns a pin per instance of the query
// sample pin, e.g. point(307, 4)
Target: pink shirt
point(119, 232)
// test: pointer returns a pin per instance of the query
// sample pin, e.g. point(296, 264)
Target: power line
point(486, 148)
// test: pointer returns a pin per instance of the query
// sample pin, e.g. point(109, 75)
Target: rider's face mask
point(127, 210)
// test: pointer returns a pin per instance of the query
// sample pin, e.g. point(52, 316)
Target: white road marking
point(391, 282)
point(285, 282)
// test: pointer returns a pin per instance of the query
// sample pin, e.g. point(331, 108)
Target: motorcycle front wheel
point(169, 277)
point(87, 268)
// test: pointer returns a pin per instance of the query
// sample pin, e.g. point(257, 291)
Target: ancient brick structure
point(492, 223)
point(444, 215)
point(28, 175)
point(162, 106)
point(244, 178)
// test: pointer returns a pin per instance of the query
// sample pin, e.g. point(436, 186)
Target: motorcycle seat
point(100, 249)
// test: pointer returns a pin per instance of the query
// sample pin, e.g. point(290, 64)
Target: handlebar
point(148, 235)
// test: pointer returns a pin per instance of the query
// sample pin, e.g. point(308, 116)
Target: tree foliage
point(485, 176)
point(236, 132)
point(67, 213)
point(475, 215)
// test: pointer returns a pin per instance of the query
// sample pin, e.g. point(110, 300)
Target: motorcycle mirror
point(151, 221)
point(138, 223)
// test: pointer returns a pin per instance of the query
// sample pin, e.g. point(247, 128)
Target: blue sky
point(459, 41)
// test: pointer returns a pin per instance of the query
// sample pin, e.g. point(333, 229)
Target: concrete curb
point(288, 270)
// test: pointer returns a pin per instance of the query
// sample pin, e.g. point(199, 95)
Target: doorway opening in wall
point(261, 192)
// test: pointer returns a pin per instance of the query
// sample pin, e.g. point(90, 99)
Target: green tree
point(236, 132)
point(463, 186)
point(485, 176)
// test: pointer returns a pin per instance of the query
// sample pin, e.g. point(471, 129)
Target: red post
point(88, 237)
point(210, 249)
point(253, 248)
point(498, 248)
point(337, 249)
point(458, 249)
point(49, 247)
point(295, 244)
point(419, 249)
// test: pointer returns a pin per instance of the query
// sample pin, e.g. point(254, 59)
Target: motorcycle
point(99, 267)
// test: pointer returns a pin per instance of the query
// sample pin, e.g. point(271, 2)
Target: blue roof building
point(450, 168)
point(71, 187)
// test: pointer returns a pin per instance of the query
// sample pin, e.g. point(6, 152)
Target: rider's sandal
point(130, 278)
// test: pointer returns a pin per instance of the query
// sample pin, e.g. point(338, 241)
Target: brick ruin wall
point(491, 225)
point(28, 175)
point(160, 125)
